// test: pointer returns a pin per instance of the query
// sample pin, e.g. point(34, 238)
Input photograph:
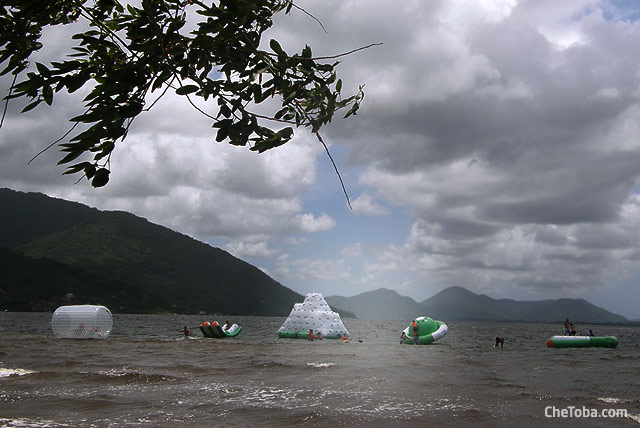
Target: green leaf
point(90, 171)
point(101, 177)
point(130, 110)
point(77, 168)
point(75, 82)
point(71, 156)
point(222, 134)
point(31, 106)
point(225, 111)
point(43, 70)
point(290, 97)
point(187, 89)
point(275, 46)
point(47, 94)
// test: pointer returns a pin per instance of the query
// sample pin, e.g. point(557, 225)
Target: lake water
point(146, 375)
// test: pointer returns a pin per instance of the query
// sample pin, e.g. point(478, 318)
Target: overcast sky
point(498, 149)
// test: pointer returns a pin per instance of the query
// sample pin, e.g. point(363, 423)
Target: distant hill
point(377, 304)
point(54, 251)
point(460, 304)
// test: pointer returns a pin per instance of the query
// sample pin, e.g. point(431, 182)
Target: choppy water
point(146, 375)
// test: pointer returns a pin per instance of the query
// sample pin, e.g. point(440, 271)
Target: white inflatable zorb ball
point(82, 322)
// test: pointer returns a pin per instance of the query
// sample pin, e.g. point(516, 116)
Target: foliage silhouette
point(128, 57)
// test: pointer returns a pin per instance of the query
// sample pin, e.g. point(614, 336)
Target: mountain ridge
point(81, 251)
point(459, 304)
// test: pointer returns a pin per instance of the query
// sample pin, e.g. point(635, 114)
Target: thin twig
point(54, 143)
point(199, 109)
point(316, 58)
point(348, 53)
point(169, 85)
point(100, 24)
point(6, 104)
point(335, 167)
point(310, 15)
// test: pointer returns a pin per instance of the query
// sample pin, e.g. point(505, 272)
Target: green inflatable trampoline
point(582, 342)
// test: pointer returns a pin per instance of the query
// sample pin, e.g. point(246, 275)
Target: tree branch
point(335, 167)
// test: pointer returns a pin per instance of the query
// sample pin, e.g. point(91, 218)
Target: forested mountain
point(56, 251)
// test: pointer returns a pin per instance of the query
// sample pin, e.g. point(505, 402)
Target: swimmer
point(345, 338)
point(499, 341)
point(185, 331)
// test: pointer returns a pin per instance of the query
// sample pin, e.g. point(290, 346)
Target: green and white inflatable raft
point(429, 330)
point(582, 342)
point(216, 331)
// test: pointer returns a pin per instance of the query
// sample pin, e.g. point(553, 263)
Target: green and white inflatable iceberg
point(312, 314)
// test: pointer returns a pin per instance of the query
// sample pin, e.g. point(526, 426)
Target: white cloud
point(251, 249)
point(365, 205)
point(305, 269)
point(310, 223)
point(483, 122)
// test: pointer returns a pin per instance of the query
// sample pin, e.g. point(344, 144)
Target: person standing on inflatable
point(416, 338)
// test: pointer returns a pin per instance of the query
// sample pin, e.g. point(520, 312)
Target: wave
point(30, 423)
point(4, 372)
point(124, 375)
point(613, 400)
point(322, 365)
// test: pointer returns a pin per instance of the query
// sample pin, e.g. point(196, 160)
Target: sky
point(497, 149)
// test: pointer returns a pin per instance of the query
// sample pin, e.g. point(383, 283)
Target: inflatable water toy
point(312, 314)
point(82, 322)
point(429, 330)
point(217, 331)
point(582, 342)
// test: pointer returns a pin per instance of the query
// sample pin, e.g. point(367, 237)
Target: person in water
point(416, 338)
point(311, 335)
point(185, 331)
point(499, 341)
point(319, 335)
point(403, 336)
point(345, 338)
